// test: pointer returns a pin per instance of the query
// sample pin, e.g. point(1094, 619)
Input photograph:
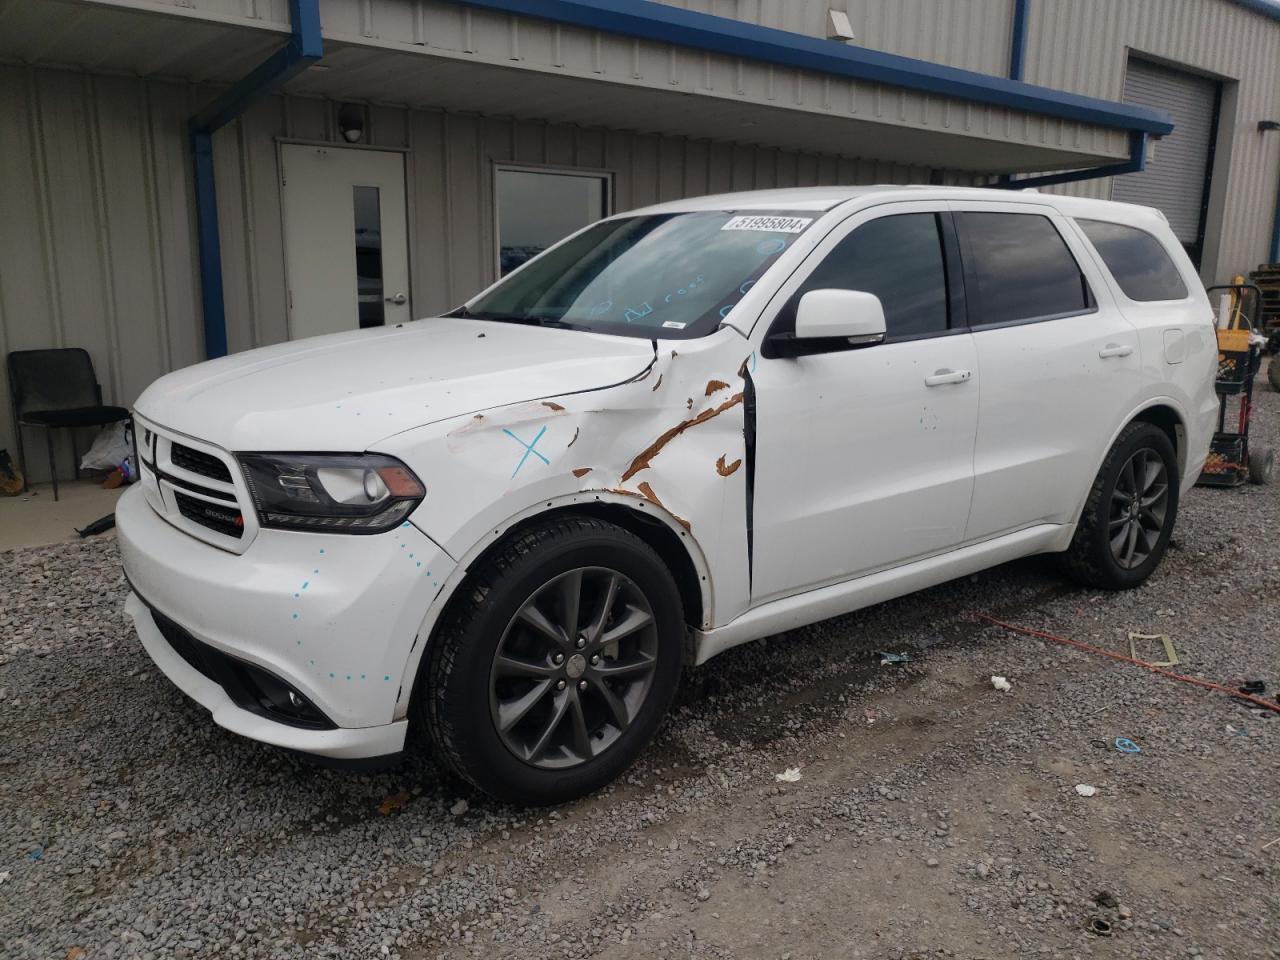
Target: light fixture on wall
point(838, 26)
point(1265, 125)
point(351, 122)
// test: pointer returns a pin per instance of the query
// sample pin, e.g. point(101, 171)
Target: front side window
point(1137, 260)
point(537, 209)
point(674, 275)
point(899, 259)
point(1019, 268)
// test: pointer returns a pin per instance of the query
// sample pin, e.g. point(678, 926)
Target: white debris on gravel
point(789, 775)
point(1001, 684)
point(132, 827)
point(1086, 790)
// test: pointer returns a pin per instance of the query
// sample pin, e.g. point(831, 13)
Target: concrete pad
point(33, 519)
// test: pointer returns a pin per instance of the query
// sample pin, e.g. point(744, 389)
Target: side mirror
point(831, 320)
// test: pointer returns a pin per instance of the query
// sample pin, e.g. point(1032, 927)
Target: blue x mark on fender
point(528, 449)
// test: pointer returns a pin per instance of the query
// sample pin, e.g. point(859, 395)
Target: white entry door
point(346, 243)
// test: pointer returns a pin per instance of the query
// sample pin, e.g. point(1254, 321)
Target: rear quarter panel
point(1177, 338)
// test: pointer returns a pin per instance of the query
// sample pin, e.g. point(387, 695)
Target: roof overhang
point(617, 64)
point(736, 38)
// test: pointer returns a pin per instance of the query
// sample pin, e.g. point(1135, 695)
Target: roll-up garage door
point(1176, 177)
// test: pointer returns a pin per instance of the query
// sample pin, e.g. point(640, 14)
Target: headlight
point(350, 493)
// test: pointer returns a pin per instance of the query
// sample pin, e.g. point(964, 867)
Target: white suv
point(681, 429)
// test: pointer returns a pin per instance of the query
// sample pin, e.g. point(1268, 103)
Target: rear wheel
point(554, 666)
point(1130, 512)
point(1262, 464)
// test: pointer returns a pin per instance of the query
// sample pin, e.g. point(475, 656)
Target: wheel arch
point(662, 531)
point(1162, 412)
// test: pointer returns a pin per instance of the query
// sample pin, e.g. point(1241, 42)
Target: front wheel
point(555, 664)
point(1128, 517)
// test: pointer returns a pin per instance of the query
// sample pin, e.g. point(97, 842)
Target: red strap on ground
point(1089, 648)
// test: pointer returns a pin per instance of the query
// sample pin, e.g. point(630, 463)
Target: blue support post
point(304, 47)
point(1017, 55)
point(209, 246)
point(1275, 231)
point(1018, 40)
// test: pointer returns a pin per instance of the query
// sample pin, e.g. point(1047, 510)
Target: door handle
point(945, 376)
point(1115, 350)
point(399, 298)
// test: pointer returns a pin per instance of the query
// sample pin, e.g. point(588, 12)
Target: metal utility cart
point(1267, 279)
point(1231, 462)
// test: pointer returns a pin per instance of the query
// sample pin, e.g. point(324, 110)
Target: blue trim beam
point(304, 47)
point(1136, 163)
point(1266, 8)
point(645, 20)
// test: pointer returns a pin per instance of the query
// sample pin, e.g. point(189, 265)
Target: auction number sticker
point(769, 224)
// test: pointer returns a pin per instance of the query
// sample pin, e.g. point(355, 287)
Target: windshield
point(673, 275)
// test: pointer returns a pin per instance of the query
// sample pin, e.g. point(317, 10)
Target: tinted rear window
point(1137, 260)
point(1019, 269)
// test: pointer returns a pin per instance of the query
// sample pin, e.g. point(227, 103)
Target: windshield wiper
point(530, 320)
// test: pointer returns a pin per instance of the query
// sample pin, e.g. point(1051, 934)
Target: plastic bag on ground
point(110, 449)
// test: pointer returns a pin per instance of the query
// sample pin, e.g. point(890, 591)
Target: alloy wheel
point(573, 668)
point(1139, 505)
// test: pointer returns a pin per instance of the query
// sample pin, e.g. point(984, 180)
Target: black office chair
point(56, 389)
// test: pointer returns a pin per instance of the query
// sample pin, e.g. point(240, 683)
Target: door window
point(538, 208)
point(1019, 268)
point(368, 221)
point(1136, 259)
point(899, 259)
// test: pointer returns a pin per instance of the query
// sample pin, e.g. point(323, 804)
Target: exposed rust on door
point(727, 471)
point(643, 458)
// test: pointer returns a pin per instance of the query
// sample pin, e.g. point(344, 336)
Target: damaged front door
point(864, 456)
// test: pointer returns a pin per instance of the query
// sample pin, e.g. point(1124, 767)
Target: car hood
point(346, 391)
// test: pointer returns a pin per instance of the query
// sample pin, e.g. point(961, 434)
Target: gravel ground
point(934, 815)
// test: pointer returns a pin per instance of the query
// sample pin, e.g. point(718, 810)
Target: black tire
point(1091, 559)
point(456, 698)
point(1262, 464)
point(1273, 371)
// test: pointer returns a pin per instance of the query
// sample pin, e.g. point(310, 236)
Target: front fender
point(669, 443)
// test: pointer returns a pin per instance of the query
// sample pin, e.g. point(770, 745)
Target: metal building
point(182, 178)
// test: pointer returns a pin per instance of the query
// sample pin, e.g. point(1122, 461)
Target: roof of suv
point(822, 199)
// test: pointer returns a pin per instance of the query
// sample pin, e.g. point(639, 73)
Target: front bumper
point(333, 616)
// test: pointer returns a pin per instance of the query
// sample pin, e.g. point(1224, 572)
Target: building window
point(538, 208)
point(368, 222)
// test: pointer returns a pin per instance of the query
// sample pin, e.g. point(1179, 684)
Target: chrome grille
point(197, 487)
point(224, 519)
point(198, 462)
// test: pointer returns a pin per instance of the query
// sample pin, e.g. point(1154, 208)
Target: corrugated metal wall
point(1082, 46)
point(1218, 38)
point(93, 171)
point(970, 34)
point(96, 171)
